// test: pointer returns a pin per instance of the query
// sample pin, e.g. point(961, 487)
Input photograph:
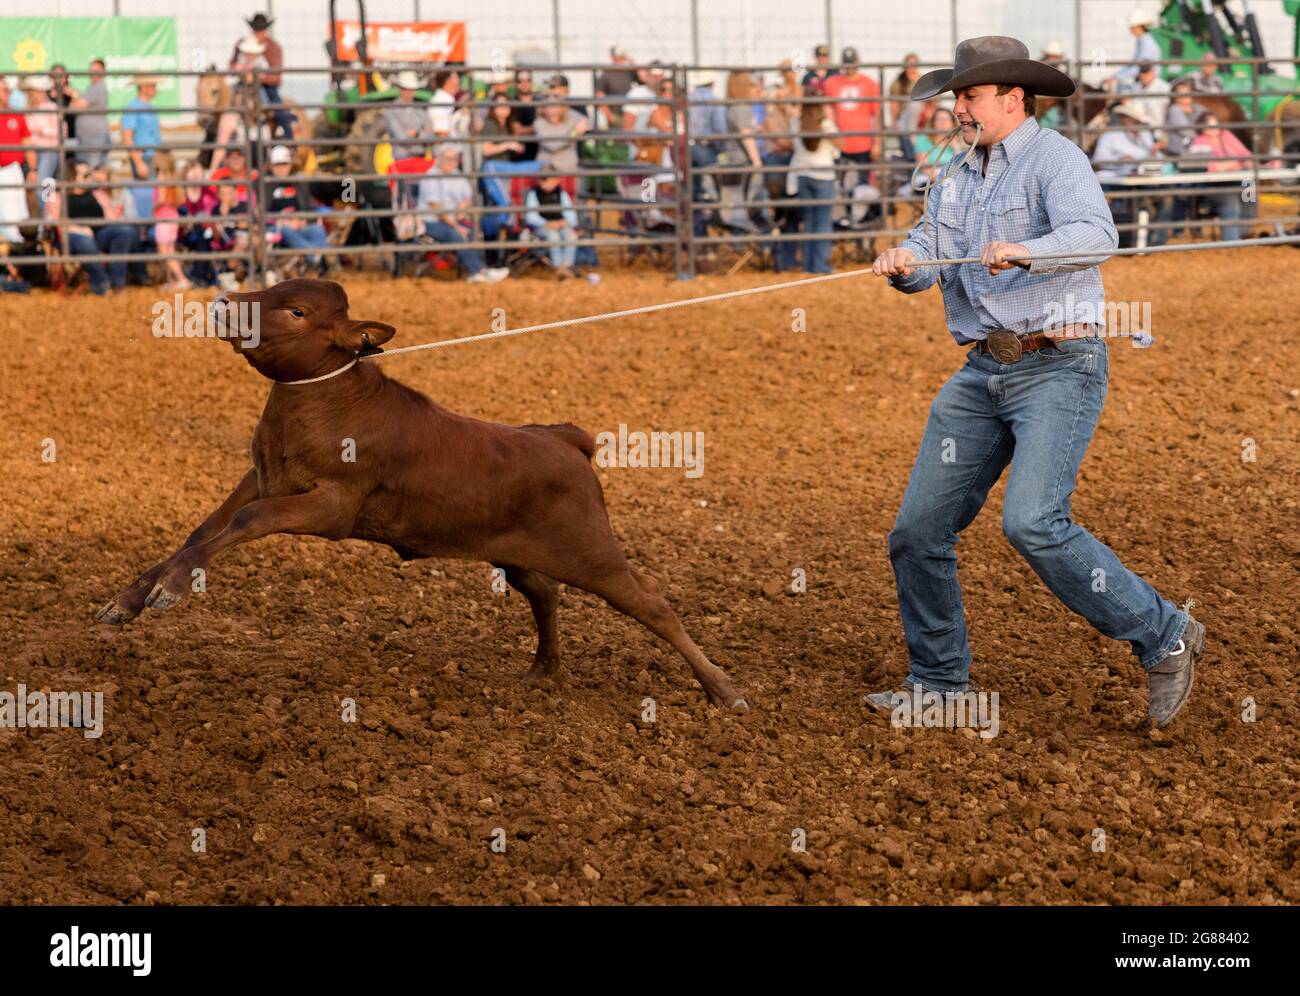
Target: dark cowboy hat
point(260, 22)
point(994, 59)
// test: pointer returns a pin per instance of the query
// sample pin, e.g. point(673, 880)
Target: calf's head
point(297, 329)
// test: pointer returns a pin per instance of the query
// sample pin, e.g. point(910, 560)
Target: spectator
point(558, 128)
point(641, 97)
point(500, 129)
point(552, 218)
point(166, 211)
point(1180, 118)
point(198, 200)
point(119, 209)
point(1147, 88)
point(81, 203)
point(821, 71)
point(270, 60)
point(1053, 55)
point(444, 196)
point(930, 159)
point(285, 196)
point(13, 195)
point(658, 151)
point(1122, 153)
point(855, 110)
point(142, 134)
point(812, 178)
point(446, 119)
point(526, 113)
point(1208, 79)
point(234, 167)
point(92, 121)
point(1145, 48)
point(740, 121)
point(43, 123)
point(1226, 152)
point(557, 88)
point(902, 111)
point(407, 122)
point(66, 99)
point(617, 80)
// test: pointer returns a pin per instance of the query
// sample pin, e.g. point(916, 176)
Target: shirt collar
point(1013, 145)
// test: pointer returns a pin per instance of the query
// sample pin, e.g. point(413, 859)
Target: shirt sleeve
point(1078, 214)
point(920, 240)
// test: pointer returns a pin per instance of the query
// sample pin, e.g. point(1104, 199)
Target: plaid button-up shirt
point(1040, 191)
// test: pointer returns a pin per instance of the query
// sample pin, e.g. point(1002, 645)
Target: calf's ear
point(362, 337)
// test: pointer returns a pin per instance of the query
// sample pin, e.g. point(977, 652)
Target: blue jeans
point(118, 240)
point(311, 236)
point(470, 260)
point(816, 220)
point(1038, 415)
point(84, 245)
point(560, 256)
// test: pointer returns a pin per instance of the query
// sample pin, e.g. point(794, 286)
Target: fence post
point(686, 183)
point(257, 248)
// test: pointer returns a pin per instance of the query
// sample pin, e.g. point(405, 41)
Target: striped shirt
point(1039, 191)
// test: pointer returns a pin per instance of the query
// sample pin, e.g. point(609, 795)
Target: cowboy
point(261, 46)
point(1032, 387)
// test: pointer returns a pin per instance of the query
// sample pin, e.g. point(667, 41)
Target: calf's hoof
point(730, 699)
point(114, 614)
point(160, 599)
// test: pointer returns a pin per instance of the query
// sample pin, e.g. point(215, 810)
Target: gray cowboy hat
point(994, 59)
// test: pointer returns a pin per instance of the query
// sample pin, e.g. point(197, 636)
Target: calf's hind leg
point(636, 594)
point(543, 594)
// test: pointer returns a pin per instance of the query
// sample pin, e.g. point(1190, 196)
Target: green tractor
point(1188, 29)
point(355, 85)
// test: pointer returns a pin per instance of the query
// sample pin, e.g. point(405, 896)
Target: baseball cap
point(280, 154)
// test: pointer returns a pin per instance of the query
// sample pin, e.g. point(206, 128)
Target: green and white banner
point(129, 44)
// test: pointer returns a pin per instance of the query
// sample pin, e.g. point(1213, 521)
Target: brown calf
point(425, 481)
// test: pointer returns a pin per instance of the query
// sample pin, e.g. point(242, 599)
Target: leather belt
point(1007, 347)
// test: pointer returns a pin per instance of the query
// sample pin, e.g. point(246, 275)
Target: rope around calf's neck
point(802, 282)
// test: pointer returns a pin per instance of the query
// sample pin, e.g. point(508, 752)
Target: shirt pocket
point(1009, 218)
point(950, 234)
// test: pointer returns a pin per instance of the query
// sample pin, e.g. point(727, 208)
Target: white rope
point(786, 285)
point(823, 278)
point(317, 380)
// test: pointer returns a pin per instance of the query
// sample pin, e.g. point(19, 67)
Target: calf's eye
point(297, 312)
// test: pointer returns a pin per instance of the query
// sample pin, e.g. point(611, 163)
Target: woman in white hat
point(406, 121)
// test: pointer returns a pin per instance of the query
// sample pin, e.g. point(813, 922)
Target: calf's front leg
point(128, 603)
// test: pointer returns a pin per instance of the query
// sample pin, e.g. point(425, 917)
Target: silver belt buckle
point(1005, 345)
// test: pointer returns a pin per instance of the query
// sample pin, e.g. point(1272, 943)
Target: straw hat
point(145, 80)
point(407, 79)
point(1132, 109)
point(250, 46)
point(37, 83)
point(1140, 19)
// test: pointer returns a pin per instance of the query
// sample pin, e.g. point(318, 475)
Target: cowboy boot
point(1171, 680)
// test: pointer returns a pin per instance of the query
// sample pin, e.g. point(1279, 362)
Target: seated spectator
point(619, 78)
point(1180, 118)
point(639, 102)
point(448, 121)
point(443, 197)
point(235, 167)
point(124, 236)
point(1208, 79)
point(1147, 89)
point(525, 115)
point(1123, 153)
point(1225, 151)
point(552, 218)
point(285, 196)
point(500, 130)
point(198, 200)
point(407, 122)
point(557, 88)
point(166, 211)
point(558, 128)
point(43, 124)
point(13, 195)
point(81, 202)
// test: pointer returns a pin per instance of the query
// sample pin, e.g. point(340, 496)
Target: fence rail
point(693, 192)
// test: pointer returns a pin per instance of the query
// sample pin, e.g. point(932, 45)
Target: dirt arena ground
point(225, 713)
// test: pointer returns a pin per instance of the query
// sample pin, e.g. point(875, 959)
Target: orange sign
point(403, 41)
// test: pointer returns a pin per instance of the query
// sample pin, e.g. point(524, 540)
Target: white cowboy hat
point(706, 77)
point(407, 79)
point(37, 83)
point(145, 80)
point(1133, 109)
point(250, 46)
point(1054, 50)
point(1140, 19)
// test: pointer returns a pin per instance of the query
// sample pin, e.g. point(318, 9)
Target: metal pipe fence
point(638, 175)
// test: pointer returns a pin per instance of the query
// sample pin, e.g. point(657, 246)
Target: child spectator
point(552, 218)
point(288, 197)
point(166, 211)
point(198, 200)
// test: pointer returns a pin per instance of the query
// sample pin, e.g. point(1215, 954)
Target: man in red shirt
point(853, 113)
point(13, 198)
